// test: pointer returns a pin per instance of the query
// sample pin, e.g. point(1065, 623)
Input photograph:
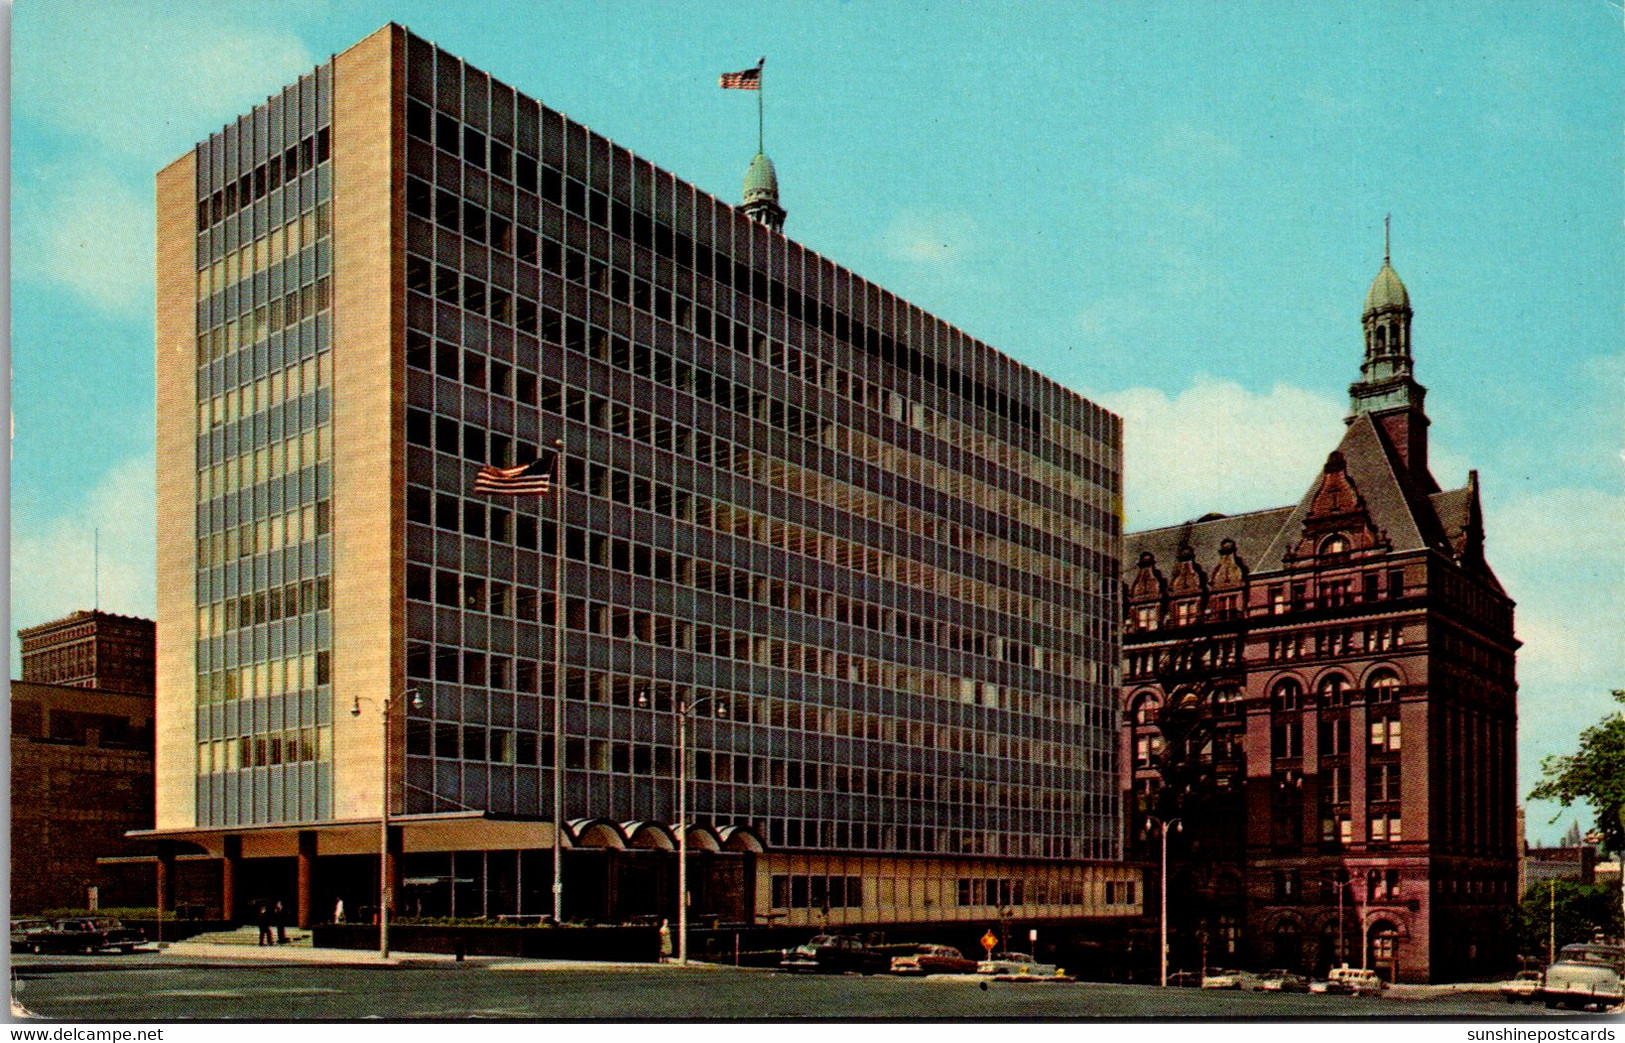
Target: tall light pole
point(1164, 827)
point(384, 881)
point(682, 712)
point(558, 685)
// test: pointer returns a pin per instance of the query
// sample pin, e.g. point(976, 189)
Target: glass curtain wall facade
point(264, 262)
point(874, 556)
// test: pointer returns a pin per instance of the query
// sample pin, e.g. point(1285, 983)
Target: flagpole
point(761, 88)
point(558, 686)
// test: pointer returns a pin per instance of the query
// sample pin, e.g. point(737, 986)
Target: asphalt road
point(154, 987)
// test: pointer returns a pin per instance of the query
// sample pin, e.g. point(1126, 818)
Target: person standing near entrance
point(338, 911)
point(262, 916)
point(281, 925)
point(665, 941)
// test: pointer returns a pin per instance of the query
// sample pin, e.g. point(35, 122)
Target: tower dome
point(762, 193)
point(761, 181)
point(1387, 291)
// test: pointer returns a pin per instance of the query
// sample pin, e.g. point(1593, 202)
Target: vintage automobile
point(1222, 979)
point(1359, 981)
point(1525, 988)
point(835, 954)
point(21, 928)
point(1016, 964)
point(1584, 976)
point(1281, 981)
point(933, 959)
point(85, 934)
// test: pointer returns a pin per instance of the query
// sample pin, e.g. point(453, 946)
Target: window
point(1385, 735)
point(1286, 739)
point(1287, 695)
point(1337, 543)
point(1145, 709)
point(1382, 687)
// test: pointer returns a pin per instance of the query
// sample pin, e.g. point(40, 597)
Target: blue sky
point(1175, 208)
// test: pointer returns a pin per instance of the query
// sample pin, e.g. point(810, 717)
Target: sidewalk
point(307, 954)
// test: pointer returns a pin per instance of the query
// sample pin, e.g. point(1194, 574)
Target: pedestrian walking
point(281, 915)
point(338, 911)
point(262, 916)
point(665, 941)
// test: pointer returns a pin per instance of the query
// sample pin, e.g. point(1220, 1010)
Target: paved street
point(165, 988)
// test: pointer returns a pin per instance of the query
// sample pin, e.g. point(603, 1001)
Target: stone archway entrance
point(1382, 949)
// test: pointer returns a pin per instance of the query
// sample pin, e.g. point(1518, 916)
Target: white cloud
point(145, 82)
point(1217, 446)
point(941, 239)
point(90, 232)
point(53, 558)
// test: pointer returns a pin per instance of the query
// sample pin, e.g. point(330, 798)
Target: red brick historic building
point(1323, 695)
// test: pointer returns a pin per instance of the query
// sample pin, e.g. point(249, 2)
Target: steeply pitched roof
point(1252, 532)
point(1408, 512)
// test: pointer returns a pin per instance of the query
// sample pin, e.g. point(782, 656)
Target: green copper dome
point(1387, 291)
point(761, 181)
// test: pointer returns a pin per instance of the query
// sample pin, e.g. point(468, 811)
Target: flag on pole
point(744, 79)
point(530, 479)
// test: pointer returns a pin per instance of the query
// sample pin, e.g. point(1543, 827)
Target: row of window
point(625, 623)
point(1334, 592)
point(816, 892)
point(293, 528)
point(252, 467)
point(289, 746)
point(267, 606)
point(783, 416)
point(296, 306)
point(1336, 641)
point(265, 178)
point(266, 251)
point(262, 679)
point(288, 384)
point(1286, 738)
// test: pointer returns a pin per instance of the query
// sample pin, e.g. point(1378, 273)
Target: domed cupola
point(762, 193)
point(1387, 390)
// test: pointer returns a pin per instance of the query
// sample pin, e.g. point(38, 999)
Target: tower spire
point(1387, 389)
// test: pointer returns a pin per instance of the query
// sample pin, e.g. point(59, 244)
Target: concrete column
point(166, 877)
point(228, 877)
point(307, 877)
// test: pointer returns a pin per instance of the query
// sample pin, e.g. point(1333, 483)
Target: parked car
point(834, 954)
point(1583, 979)
point(1281, 981)
point(1525, 988)
point(1223, 979)
point(1016, 963)
point(85, 934)
point(933, 959)
point(21, 928)
point(1184, 979)
point(1359, 981)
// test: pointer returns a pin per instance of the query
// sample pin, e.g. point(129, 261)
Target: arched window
point(1287, 695)
point(1145, 708)
point(1336, 543)
point(1332, 690)
point(1382, 686)
point(1382, 338)
point(1227, 699)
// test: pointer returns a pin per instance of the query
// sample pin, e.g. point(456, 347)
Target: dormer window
point(1337, 543)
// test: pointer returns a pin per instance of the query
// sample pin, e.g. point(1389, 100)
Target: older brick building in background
point(92, 649)
point(1324, 696)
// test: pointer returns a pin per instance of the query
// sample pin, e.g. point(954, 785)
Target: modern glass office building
point(868, 560)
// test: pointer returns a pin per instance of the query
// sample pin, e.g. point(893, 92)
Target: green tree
point(1581, 909)
point(1595, 774)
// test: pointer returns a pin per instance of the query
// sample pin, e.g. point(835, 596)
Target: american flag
point(530, 479)
point(743, 80)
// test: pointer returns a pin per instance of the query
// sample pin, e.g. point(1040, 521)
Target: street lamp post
point(1163, 827)
point(683, 712)
point(384, 888)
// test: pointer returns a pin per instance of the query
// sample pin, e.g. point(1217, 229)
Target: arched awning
point(649, 836)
